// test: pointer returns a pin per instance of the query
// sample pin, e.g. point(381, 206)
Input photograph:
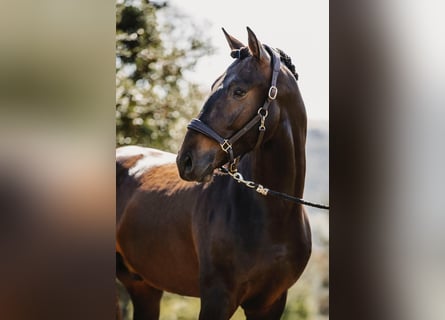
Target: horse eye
point(239, 92)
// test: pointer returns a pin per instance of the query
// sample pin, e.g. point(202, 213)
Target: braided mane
point(240, 53)
point(244, 52)
point(287, 62)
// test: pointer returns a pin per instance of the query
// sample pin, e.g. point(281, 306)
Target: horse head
point(232, 110)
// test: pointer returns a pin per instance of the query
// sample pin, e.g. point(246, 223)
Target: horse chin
point(207, 175)
point(207, 178)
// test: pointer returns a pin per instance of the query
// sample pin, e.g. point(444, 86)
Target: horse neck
point(280, 163)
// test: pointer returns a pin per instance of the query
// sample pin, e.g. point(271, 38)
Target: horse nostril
point(187, 163)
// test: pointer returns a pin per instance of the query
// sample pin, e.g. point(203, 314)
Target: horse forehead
point(246, 69)
point(148, 158)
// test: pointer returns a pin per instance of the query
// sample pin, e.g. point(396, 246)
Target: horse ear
point(234, 43)
point(256, 48)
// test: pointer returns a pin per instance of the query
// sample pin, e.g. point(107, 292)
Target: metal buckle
point(232, 167)
point(226, 145)
point(273, 91)
point(260, 189)
point(262, 126)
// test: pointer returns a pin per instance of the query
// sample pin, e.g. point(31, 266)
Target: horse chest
point(254, 251)
point(252, 255)
point(279, 259)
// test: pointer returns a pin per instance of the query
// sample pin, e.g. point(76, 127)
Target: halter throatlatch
point(226, 144)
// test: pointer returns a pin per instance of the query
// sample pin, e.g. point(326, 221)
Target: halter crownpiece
point(227, 143)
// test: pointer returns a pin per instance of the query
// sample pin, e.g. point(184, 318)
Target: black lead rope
point(297, 200)
point(265, 191)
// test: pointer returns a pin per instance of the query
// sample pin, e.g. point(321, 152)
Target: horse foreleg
point(216, 303)
point(269, 312)
point(146, 301)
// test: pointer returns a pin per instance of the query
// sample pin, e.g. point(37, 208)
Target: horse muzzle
point(194, 168)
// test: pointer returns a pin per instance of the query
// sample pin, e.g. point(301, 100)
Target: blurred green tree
point(153, 97)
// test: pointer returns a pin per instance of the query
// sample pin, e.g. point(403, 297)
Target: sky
point(299, 28)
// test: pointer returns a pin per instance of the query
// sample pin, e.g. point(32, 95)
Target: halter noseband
point(227, 143)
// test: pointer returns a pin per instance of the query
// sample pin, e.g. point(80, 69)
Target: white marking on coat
point(151, 158)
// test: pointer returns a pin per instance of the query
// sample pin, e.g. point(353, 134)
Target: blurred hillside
point(317, 178)
point(313, 287)
point(317, 161)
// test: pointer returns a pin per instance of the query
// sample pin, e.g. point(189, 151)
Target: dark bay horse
point(186, 228)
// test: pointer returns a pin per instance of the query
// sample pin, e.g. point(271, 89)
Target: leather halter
point(227, 143)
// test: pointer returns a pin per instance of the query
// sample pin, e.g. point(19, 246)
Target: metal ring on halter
point(273, 91)
point(260, 112)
